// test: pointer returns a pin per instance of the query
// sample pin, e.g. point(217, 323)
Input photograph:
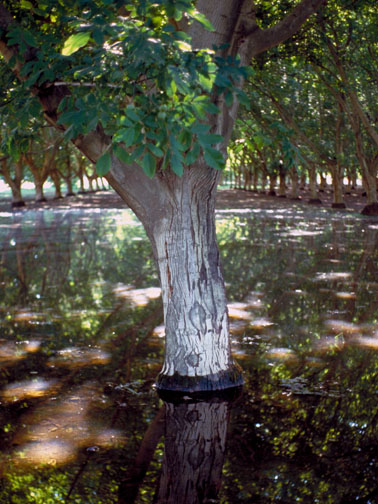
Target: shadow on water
point(81, 342)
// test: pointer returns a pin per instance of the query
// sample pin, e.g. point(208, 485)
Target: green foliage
point(130, 69)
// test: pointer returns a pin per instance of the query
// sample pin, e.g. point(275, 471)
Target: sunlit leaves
point(75, 42)
point(103, 164)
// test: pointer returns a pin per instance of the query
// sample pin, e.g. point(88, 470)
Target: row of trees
point(311, 108)
point(40, 157)
point(309, 111)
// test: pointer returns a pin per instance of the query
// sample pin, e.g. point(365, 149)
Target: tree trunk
point(14, 182)
point(272, 184)
point(302, 181)
point(314, 200)
point(70, 191)
point(337, 185)
point(255, 179)
point(39, 196)
point(264, 178)
point(56, 180)
point(294, 192)
point(282, 185)
point(198, 354)
point(323, 182)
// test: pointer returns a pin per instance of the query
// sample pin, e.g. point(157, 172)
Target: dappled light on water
point(54, 432)
point(78, 357)
point(27, 389)
point(138, 297)
point(82, 341)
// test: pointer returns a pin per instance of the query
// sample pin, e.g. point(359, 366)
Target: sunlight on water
point(82, 341)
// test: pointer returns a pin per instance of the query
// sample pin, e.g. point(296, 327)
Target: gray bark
point(195, 443)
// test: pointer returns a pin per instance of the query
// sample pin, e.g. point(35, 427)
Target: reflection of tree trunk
point(128, 489)
point(194, 452)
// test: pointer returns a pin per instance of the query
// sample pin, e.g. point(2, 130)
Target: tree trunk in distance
point(14, 182)
point(314, 200)
point(323, 182)
point(282, 185)
point(56, 180)
point(39, 195)
point(255, 179)
point(272, 184)
point(337, 173)
point(195, 443)
point(370, 185)
point(294, 192)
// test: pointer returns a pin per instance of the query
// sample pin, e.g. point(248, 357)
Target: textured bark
point(13, 182)
point(195, 443)
point(56, 181)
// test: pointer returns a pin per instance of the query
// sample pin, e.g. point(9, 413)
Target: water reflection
point(81, 342)
point(194, 451)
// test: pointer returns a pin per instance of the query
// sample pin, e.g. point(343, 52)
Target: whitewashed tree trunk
point(198, 354)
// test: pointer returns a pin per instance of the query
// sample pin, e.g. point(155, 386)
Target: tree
point(154, 85)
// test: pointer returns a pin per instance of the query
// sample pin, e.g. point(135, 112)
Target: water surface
point(81, 342)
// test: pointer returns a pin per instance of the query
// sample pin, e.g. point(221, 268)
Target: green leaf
point(149, 164)
point(193, 154)
point(125, 135)
point(185, 138)
point(103, 164)
point(176, 165)
point(176, 145)
point(229, 99)
point(155, 150)
point(214, 158)
point(98, 36)
point(209, 139)
point(29, 39)
point(137, 152)
point(202, 19)
point(200, 128)
point(132, 113)
point(121, 154)
point(26, 5)
point(75, 42)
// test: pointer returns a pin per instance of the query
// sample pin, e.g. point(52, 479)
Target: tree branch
point(261, 40)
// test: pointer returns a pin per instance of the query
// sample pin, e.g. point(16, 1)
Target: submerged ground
point(81, 343)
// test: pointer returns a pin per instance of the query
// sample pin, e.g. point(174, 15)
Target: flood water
point(81, 342)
